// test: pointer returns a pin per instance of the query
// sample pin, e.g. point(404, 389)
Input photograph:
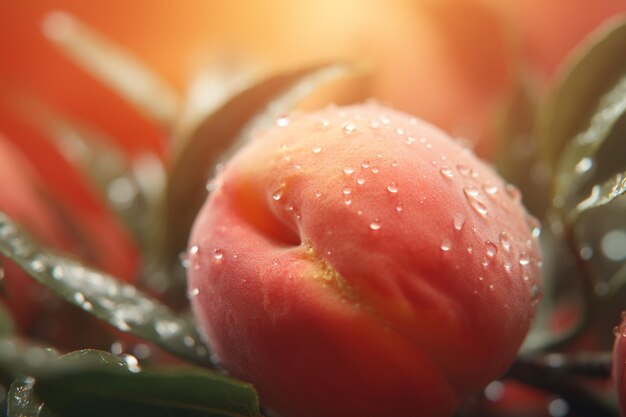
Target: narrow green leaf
point(114, 66)
point(593, 69)
point(100, 294)
point(578, 158)
point(600, 195)
point(220, 133)
point(22, 400)
point(97, 383)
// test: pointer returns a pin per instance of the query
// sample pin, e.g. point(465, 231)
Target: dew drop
point(375, 170)
point(491, 249)
point(348, 171)
point(446, 172)
point(535, 294)
point(490, 189)
point(375, 224)
point(277, 194)
point(507, 267)
point(379, 155)
point(505, 241)
point(399, 208)
point(400, 131)
point(524, 259)
point(347, 201)
point(392, 187)
point(410, 140)
point(365, 164)
point(584, 165)
point(360, 181)
point(374, 124)
point(348, 127)
point(346, 190)
point(485, 263)
point(534, 225)
point(325, 122)
point(318, 194)
point(463, 169)
point(194, 292)
point(471, 191)
point(317, 149)
point(131, 362)
point(282, 121)
point(446, 245)
point(394, 163)
point(458, 220)
point(218, 254)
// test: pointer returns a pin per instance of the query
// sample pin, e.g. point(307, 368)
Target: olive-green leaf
point(22, 400)
point(113, 65)
point(600, 195)
point(220, 133)
point(97, 384)
point(591, 71)
point(578, 157)
point(100, 294)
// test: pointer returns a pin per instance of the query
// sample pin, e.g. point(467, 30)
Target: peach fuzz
point(357, 261)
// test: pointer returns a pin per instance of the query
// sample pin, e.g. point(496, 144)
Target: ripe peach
point(358, 262)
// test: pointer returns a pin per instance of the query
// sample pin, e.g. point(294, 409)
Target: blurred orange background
point(451, 62)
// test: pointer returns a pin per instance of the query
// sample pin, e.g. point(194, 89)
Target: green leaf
point(22, 400)
point(114, 66)
point(593, 69)
point(220, 133)
point(101, 295)
point(600, 195)
point(579, 156)
point(97, 383)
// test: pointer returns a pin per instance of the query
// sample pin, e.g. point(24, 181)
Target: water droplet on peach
point(446, 172)
point(458, 220)
point(446, 245)
point(392, 187)
point(348, 127)
point(375, 224)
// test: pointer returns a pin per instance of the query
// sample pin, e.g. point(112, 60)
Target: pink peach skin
point(358, 262)
point(618, 372)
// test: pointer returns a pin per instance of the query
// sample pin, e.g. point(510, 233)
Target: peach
point(357, 261)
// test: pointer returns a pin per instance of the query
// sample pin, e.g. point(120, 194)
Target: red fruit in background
point(70, 220)
point(356, 261)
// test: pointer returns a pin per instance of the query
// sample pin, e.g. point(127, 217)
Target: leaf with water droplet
point(22, 400)
point(594, 68)
point(577, 161)
point(250, 108)
point(114, 66)
point(100, 294)
point(600, 195)
point(96, 383)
